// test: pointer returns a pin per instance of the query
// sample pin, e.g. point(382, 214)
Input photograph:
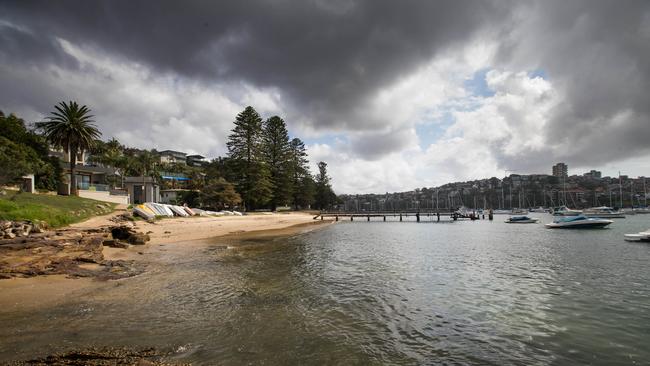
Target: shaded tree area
point(219, 194)
point(276, 153)
point(269, 168)
point(23, 151)
point(303, 184)
point(251, 172)
point(325, 196)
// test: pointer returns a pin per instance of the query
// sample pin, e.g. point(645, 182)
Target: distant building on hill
point(195, 160)
point(171, 156)
point(593, 174)
point(560, 170)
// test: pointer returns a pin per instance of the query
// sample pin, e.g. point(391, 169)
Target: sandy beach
point(172, 234)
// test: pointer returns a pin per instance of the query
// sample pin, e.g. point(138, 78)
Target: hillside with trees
point(265, 168)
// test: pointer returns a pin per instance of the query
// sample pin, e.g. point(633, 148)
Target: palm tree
point(71, 127)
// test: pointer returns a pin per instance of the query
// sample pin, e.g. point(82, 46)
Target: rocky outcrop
point(75, 252)
point(19, 229)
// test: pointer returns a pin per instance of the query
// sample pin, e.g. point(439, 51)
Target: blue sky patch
point(477, 85)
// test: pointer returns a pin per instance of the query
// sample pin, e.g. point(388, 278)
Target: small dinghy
point(642, 236)
point(521, 220)
point(178, 211)
point(144, 212)
point(578, 222)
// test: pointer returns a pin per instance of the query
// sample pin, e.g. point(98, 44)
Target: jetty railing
point(419, 215)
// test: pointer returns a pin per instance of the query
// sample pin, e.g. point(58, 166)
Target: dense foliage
point(22, 152)
point(264, 168)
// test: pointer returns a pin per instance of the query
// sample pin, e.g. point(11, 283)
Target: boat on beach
point(643, 236)
point(578, 222)
point(521, 220)
point(603, 212)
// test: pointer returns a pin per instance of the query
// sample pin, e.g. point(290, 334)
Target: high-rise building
point(560, 170)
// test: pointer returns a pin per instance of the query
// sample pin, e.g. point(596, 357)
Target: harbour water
point(372, 293)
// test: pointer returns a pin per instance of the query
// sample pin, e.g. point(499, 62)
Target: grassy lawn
point(57, 211)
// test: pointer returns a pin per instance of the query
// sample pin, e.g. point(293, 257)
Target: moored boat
point(603, 212)
point(521, 220)
point(539, 209)
point(641, 236)
point(565, 211)
point(578, 222)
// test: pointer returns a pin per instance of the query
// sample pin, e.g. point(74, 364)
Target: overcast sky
point(393, 95)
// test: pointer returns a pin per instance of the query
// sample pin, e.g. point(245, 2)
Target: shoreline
point(177, 235)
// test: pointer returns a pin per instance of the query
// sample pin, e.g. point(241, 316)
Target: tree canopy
point(71, 128)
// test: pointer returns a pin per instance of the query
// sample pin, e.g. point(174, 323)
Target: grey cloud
point(326, 58)
point(375, 145)
point(597, 54)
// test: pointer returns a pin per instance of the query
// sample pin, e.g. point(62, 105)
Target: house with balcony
point(173, 157)
point(92, 180)
point(196, 160)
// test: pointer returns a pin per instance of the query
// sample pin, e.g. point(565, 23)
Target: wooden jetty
point(419, 215)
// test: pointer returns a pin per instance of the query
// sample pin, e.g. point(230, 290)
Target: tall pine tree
point(325, 196)
point(245, 146)
point(301, 180)
point(276, 154)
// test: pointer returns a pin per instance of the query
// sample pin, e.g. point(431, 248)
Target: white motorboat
point(642, 210)
point(641, 236)
point(502, 212)
point(539, 209)
point(579, 222)
point(603, 212)
point(565, 211)
point(521, 220)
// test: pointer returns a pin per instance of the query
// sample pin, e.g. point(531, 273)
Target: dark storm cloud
point(325, 57)
point(597, 53)
point(328, 59)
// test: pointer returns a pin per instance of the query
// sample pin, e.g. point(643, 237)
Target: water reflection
point(373, 293)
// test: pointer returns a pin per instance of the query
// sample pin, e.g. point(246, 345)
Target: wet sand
point(174, 234)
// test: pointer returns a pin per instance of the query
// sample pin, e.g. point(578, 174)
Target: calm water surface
point(374, 293)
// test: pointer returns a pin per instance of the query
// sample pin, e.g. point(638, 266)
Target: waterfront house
point(92, 179)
